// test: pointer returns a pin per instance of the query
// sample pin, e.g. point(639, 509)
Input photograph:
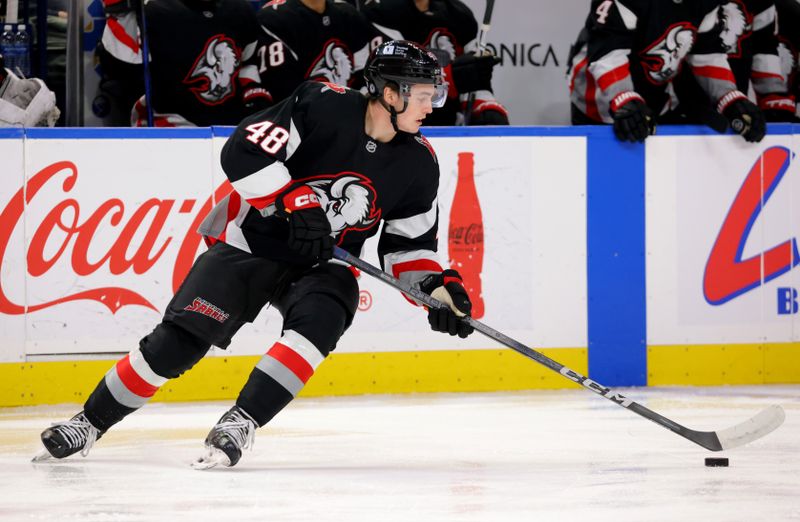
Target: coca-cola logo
point(466, 235)
point(73, 229)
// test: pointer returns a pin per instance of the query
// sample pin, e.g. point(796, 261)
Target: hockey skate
point(63, 439)
point(234, 432)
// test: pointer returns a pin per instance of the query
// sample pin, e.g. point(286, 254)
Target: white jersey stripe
point(764, 18)
point(264, 182)
point(414, 226)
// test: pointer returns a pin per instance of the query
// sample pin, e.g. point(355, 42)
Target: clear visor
point(421, 93)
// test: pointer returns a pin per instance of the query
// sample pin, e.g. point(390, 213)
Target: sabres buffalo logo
point(734, 26)
point(663, 59)
point(349, 200)
point(334, 64)
point(214, 71)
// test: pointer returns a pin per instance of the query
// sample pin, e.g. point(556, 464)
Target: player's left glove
point(744, 116)
point(633, 119)
point(309, 229)
point(447, 287)
point(473, 73)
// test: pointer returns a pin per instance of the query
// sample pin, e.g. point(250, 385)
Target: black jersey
point(448, 27)
point(202, 65)
point(331, 47)
point(747, 32)
point(789, 44)
point(641, 46)
point(202, 58)
point(317, 137)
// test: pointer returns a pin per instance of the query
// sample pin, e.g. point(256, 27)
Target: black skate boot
point(234, 432)
point(63, 439)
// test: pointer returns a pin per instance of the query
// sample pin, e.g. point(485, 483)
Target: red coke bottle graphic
point(465, 236)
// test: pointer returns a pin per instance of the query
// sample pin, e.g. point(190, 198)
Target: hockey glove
point(309, 229)
point(256, 99)
point(778, 108)
point(447, 287)
point(488, 112)
point(744, 117)
point(473, 73)
point(633, 119)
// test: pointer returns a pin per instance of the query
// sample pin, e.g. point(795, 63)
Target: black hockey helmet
point(404, 64)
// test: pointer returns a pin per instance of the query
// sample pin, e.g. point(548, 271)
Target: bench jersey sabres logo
point(214, 71)
point(735, 24)
point(663, 59)
point(334, 64)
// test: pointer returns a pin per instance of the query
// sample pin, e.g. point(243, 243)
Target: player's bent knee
point(170, 350)
point(320, 318)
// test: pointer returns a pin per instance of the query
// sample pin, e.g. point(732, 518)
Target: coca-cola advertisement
point(97, 233)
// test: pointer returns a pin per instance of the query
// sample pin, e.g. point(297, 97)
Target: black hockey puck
point(713, 462)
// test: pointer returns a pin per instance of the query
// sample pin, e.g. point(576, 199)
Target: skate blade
point(213, 458)
point(42, 456)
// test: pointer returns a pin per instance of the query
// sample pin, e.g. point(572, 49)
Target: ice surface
point(529, 456)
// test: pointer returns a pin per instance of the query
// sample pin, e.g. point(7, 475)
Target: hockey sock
point(279, 376)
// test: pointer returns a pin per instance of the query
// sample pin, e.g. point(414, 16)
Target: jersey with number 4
point(641, 46)
point(317, 137)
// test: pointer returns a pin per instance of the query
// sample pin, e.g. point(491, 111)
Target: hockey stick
point(487, 21)
point(752, 429)
point(148, 98)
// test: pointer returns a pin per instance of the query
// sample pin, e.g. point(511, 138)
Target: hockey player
point(449, 28)
point(203, 65)
point(628, 54)
point(25, 102)
point(747, 30)
point(324, 166)
point(323, 40)
point(789, 46)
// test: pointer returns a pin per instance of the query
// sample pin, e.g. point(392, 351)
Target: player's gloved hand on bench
point(309, 229)
point(447, 287)
point(474, 73)
point(744, 116)
point(633, 119)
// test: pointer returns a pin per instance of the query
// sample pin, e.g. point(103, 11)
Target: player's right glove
point(744, 117)
point(778, 108)
point(633, 119)
point(309, 229)
point(447, 287)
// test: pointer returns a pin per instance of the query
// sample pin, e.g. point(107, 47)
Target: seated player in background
point(628, 53)
point(321, 40)
point(448, 28)
point(203, 63)
point(789, 46)
point(25, 102)
point(747, 30)
point(324, 166)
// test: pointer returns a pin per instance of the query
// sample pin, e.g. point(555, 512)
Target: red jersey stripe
point(613, 76)
point(418, 265)
point(717, 73)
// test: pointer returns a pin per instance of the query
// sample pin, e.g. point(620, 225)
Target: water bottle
point(8, 47)
point(23, 44)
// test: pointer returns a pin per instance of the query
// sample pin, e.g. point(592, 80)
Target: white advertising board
point(722, 231)
point(12, 252)
point(108, 234)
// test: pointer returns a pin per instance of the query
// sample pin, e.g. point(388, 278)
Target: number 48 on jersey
point(269, 136)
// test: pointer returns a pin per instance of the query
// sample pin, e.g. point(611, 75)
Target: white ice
point(528, 456)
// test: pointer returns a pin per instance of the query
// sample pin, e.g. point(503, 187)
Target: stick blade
point(763, 423)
